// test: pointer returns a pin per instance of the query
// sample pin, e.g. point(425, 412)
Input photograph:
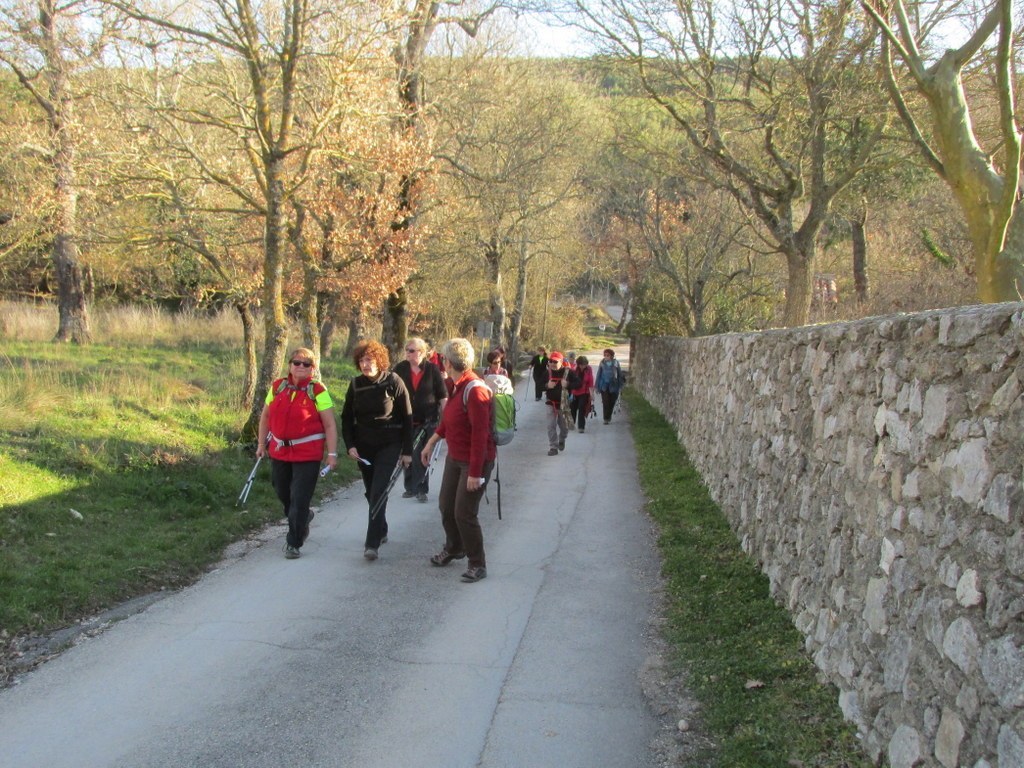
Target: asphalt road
point(330, 660)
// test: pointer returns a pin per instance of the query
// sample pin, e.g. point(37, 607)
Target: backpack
point(503, 406)
point(573, 379)
point(312, 388)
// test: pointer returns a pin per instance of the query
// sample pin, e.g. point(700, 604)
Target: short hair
point(417, 342)
point(582, 360)
point(374, 350)
point(494, 355)
point(459, 353)
point(610, 352)
point(303, 352)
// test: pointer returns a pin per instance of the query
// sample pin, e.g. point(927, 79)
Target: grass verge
point(120, 468)
point(761, 701)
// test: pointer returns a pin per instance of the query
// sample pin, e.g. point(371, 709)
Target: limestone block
point(1007, 394)
point(1003, 498)
point(948, 738)
point(1010, 746)
point(968, 470)
point(1015, 554)
point(888, 555)
point(874, 606)
point(1002, 667)
point(968, 589)
point(960, 644)
point(935, 410)
point(905, 748)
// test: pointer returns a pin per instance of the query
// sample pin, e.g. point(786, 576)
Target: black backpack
point(573, 379)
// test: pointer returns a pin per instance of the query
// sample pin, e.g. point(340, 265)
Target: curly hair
point(374, 350)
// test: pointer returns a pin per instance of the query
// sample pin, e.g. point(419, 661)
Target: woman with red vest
point(298, 421)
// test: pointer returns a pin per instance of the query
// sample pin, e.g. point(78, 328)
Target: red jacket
point(467, 428)
point(588, 381)
point(294, 414)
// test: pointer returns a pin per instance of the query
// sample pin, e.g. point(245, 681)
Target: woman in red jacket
point(466, 425)
point(298, 421)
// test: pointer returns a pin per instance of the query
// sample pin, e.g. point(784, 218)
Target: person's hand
point(407, 460)
point(353, 453)
point(261, 449)
point(474, 483)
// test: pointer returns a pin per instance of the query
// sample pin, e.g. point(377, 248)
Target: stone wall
point(874, 470)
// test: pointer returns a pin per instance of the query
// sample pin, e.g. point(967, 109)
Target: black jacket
point(377, 413)
point(427, 397)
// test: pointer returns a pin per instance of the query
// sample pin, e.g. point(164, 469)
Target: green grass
point(761, 701)
point(119, 470)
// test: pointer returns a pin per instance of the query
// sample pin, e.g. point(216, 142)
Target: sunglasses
point(410, 351)
point(303, 363)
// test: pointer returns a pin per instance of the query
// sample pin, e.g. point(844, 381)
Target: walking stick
point(387, 491)
point(244, 495)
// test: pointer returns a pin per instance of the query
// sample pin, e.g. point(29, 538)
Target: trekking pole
point(387, 491)
point(244, 495)
point(433, 456)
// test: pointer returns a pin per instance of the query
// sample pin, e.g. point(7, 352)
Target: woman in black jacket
point(428, 393)
point(376, 425)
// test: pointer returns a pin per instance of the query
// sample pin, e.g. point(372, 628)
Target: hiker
point(495, 364)
point(539, 368)
point(298, 421)
point(580, 381)
point(608, 382)
point(428, 394)
point(558, 427)
point(376, 424)
point(466, 425)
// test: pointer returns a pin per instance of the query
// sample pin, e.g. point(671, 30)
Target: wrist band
point(333, 454)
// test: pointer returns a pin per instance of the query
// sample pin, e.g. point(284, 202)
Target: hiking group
point(393, 419)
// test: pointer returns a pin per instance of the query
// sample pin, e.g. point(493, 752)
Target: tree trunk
point(248, 394)
point(275, 322)
point(515, 319)
point(73, 318)
point(395, 322)
point(356, 330)
point(799, 289)
point(858, 226)
point(492, 255)
point(623, 319)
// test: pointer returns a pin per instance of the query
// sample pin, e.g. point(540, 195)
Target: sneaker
point(421, 498)
point(444, 557)
point(384, 539)
point(474, 574)
point(408, 494)
point(606, 421)
point(553, 452)
point(581, 430)
point(291, 552)
point(561, 445)
point(370, 554)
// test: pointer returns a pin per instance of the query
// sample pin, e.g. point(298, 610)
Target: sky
point(550, 40)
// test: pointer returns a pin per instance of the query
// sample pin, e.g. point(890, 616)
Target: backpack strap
point(465, 393)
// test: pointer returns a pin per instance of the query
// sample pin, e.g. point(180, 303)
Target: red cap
point(555, 356)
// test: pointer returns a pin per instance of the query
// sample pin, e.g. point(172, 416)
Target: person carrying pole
point(376, 425)
point(296, 425)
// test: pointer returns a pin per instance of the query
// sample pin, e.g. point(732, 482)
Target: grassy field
point(761, 703)
point(120, 464)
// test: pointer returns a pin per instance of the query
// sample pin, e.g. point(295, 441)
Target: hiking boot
point(384, 539)
point(606, 421)
point(444, 557)
point(561, 445)
point(474, 574)
point(408, 494)
point(421, 498)
point(291, 552)
point(582, 430)
point(553, 452)
point(370, 553)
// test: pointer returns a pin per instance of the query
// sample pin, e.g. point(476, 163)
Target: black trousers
point(416, 478)
point(579, 407)
point(608, 404)
point(294, 483)
point(383, 461)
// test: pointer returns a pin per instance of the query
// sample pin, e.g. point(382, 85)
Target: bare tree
point(45, 43)
point(775, 98)
point(265, 77)
point(985, 181)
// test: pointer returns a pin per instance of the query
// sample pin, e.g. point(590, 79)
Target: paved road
point(330, 660)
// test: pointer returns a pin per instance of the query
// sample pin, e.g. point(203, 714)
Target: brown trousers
point(459, 510)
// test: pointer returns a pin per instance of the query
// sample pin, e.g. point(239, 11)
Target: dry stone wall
point(874, 470)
